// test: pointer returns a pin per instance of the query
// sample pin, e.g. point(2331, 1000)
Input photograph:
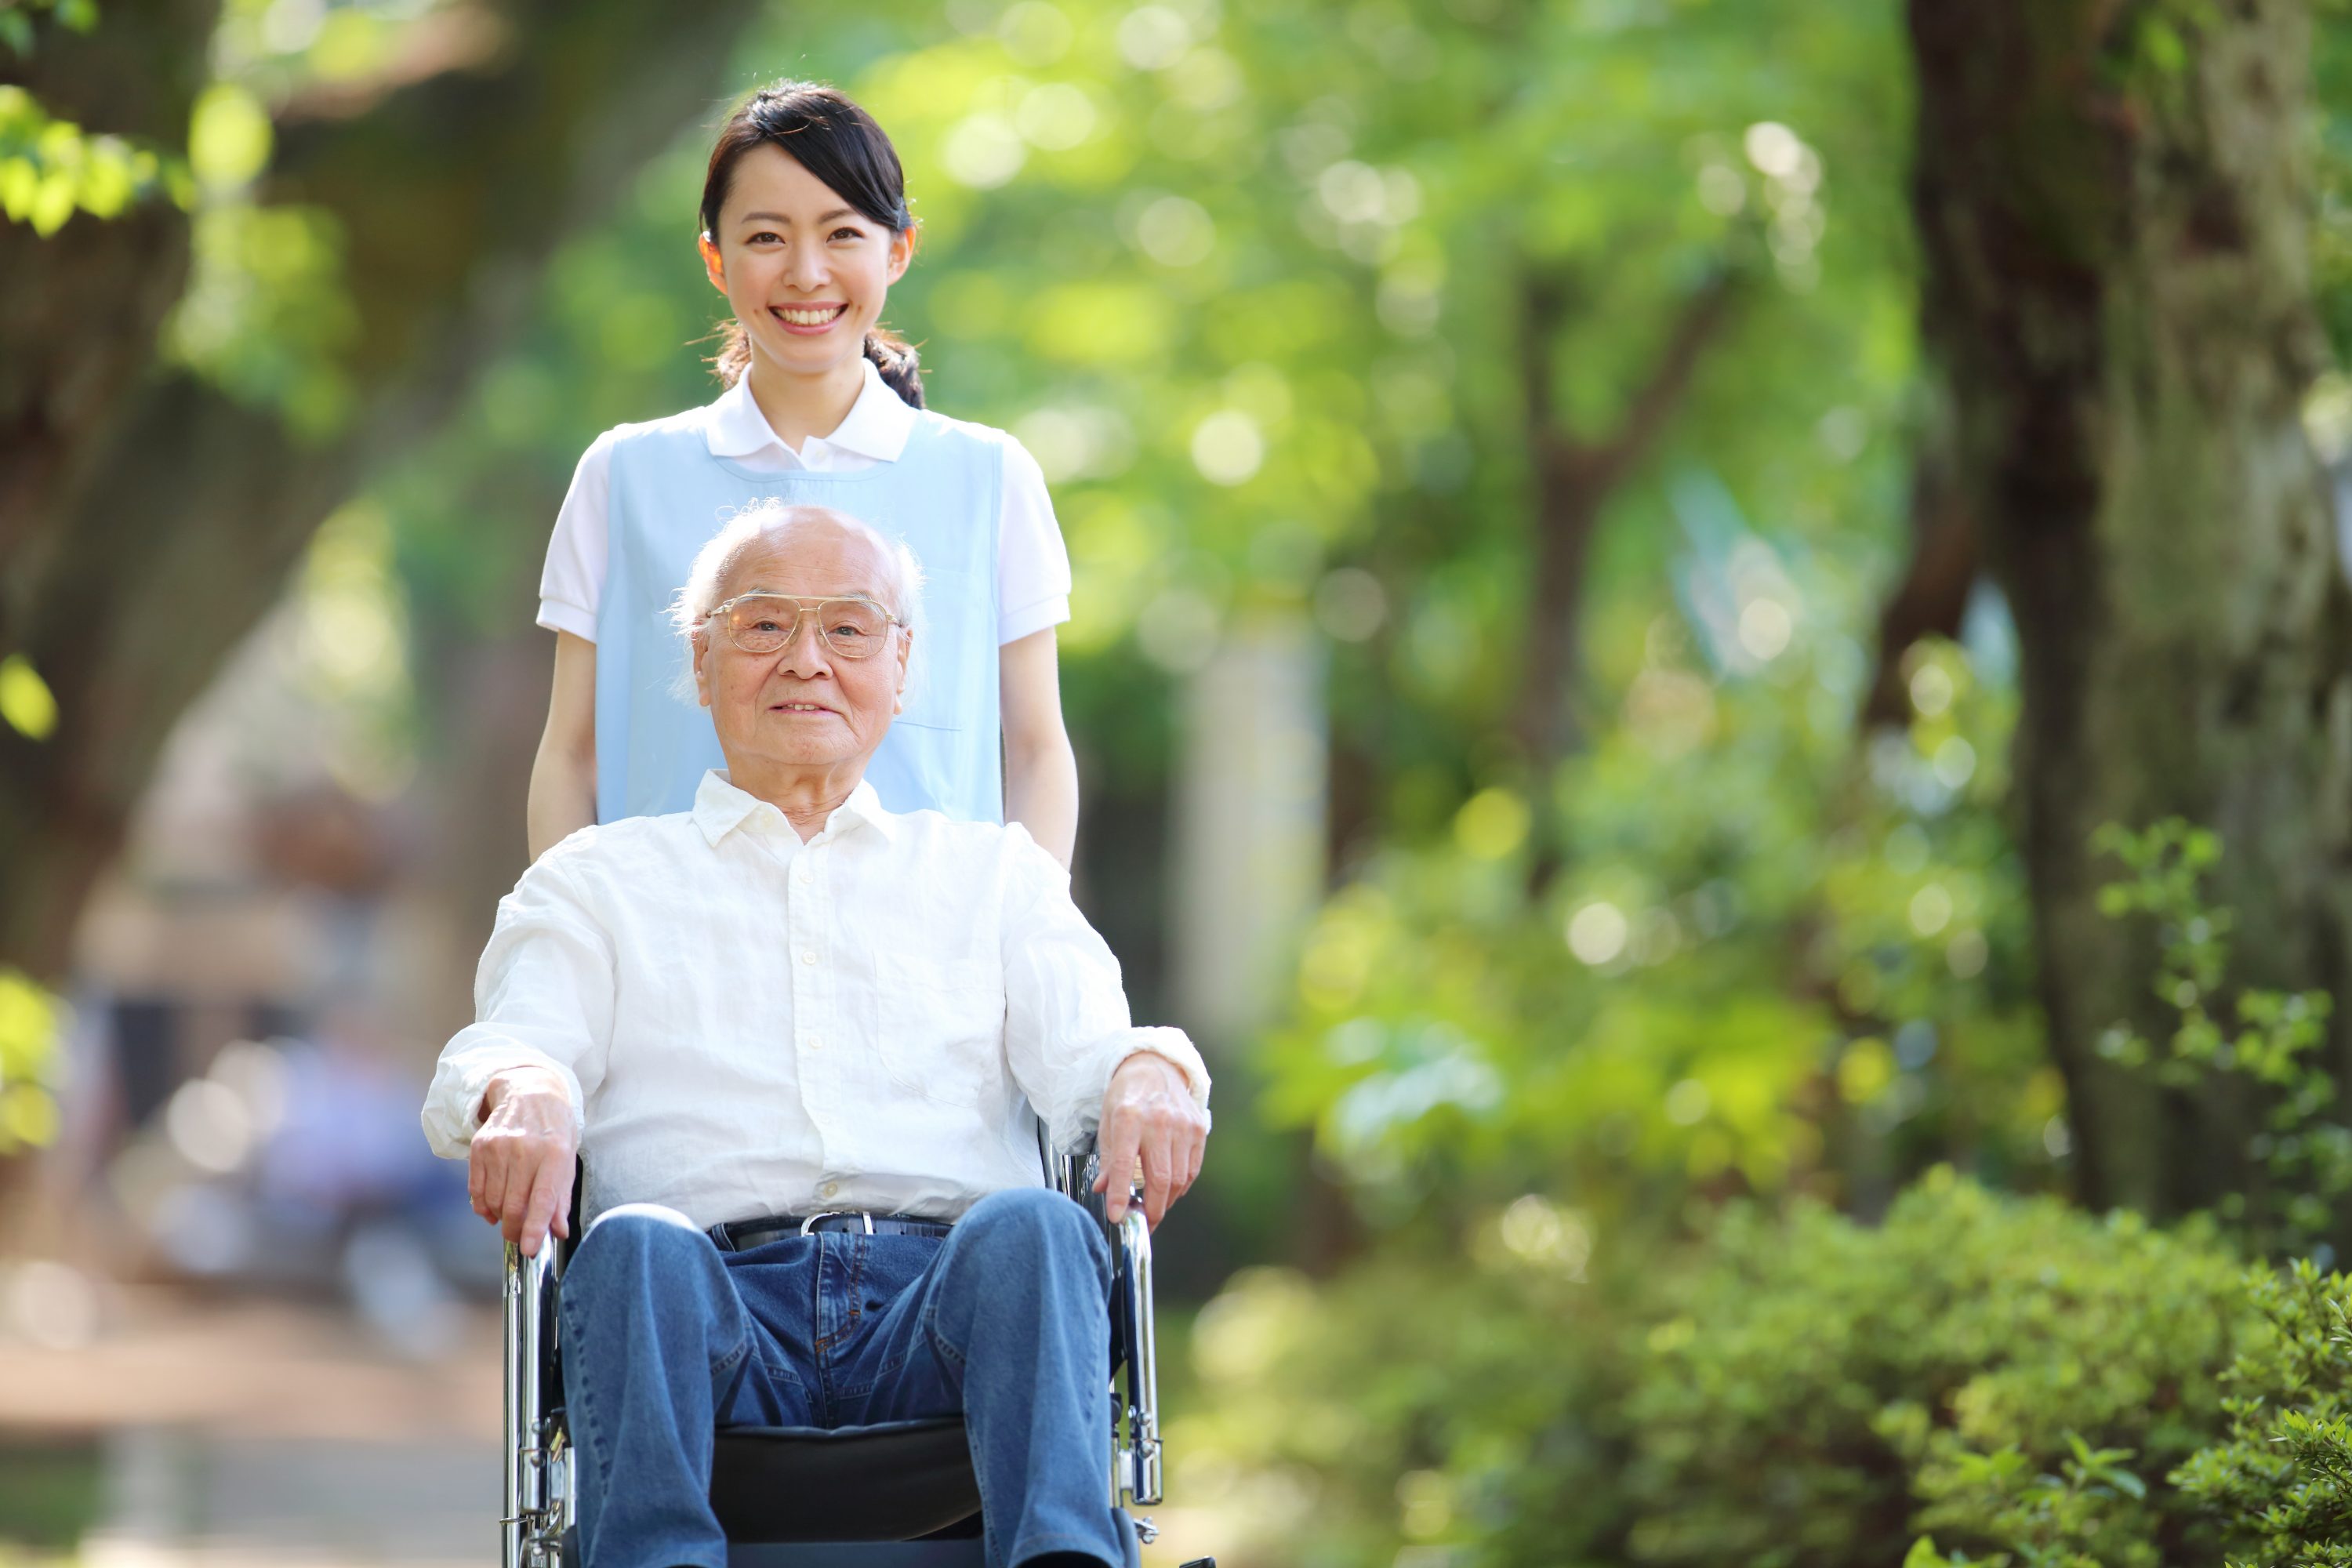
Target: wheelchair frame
point(540, 1474)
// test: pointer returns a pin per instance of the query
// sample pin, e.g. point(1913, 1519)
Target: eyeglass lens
point(763, 623)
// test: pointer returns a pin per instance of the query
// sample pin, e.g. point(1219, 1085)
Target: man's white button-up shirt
point(752, 1024)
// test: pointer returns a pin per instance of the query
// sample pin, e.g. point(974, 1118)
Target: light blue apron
point(669, 495)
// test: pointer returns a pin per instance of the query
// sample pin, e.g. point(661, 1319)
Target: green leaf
point(229, 136)
point(25, 702)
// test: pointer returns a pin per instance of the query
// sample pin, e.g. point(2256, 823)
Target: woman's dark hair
point(837, 141)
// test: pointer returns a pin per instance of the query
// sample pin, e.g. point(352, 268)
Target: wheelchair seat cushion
point(894, 1481)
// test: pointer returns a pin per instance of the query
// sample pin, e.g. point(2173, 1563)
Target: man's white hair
point(902, 592)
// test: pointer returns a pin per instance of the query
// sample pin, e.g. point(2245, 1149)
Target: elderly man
point(794, 1038)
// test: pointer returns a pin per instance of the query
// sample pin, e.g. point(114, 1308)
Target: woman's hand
point(1148, 1116)
point(519, 1170)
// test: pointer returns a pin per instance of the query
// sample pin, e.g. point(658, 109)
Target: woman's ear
point(712, 268)
point(902, 252)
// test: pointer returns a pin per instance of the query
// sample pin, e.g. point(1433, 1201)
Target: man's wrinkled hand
point(518, 1170)
point(1148, 1117)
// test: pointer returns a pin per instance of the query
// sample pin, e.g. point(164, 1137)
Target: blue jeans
point(666, 1339)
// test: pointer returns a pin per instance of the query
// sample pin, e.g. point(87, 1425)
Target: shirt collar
point(877, 425)
point(720, 808)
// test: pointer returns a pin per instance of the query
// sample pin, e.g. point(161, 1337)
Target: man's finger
point(474, 1162)
point(538, 1210)
point(1157, 1173)
point(514, 1194)
point(494, 1185)
point(1117, 1165)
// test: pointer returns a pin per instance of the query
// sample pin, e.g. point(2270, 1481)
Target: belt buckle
point(809, 1225)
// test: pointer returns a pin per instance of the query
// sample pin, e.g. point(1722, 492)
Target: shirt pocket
point(939, 1027)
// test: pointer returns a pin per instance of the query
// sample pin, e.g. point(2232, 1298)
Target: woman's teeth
point(811, 318)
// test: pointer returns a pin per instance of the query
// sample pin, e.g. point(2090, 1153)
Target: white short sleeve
point(571, 584)
point(1032, 566)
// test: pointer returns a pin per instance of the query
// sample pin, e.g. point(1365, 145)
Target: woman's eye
point(848, 234)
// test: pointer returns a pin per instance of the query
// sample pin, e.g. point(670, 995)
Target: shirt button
point(815, 1044)
point(829, 1191)
point(808, 955)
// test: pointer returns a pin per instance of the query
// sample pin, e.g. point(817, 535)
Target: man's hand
point(520, 1168)
point(1149, 1115)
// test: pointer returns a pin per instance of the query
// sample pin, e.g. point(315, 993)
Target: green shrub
point(2007, 1372)
point(2283, 1476)
point(2016, 1377)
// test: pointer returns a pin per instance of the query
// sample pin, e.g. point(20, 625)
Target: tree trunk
point(1931, 598)
point(2113, 204)
point(145, 535)
point(1575, 479)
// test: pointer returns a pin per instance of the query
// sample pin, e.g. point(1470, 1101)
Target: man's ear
point(905, 650)
point(701, 672)
point(712, 268)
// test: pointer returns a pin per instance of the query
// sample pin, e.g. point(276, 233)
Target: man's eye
point(766, 623)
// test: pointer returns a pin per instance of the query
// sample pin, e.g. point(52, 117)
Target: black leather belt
point(743, 1235)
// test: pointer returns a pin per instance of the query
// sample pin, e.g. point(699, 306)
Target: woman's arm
point(1040, 773)
point(563, 775)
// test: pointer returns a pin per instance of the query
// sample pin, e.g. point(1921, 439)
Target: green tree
point(356, 264)
point(2116, 206)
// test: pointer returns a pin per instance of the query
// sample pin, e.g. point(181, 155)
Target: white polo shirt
point(1032, 566)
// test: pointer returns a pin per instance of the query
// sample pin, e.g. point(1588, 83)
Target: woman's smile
point(808, 320)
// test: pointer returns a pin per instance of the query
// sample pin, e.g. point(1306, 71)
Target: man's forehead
point(810, 558)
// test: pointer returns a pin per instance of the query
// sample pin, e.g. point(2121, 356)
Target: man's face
point(804, 705)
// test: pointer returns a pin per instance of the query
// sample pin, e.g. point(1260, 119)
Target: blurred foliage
point(51, 168)
point(30, 1022)
point(1772, 963)
point(2008, 1373)
point(2270, 1039)
point(27, 705)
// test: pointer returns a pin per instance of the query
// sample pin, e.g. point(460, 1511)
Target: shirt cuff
point(1172, 1045)
point(559, 617)
point(452, 1106)
point(1027, 621)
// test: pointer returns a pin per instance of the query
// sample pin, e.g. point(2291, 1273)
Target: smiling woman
point(804, 228)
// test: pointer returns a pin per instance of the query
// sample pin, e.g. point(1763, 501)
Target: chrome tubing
point(531, 1526)
point(1140, 1457)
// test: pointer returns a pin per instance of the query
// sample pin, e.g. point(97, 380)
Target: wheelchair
point(778, 1490)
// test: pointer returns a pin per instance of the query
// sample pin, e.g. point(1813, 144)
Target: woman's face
point(805, 272)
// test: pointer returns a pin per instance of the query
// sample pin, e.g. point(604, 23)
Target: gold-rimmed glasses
point(851, 626)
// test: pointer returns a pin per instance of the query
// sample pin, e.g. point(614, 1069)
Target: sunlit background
point(1485, 435)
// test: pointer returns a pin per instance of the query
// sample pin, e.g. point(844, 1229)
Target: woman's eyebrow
point(780, 218)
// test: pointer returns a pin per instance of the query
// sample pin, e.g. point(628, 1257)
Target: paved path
point(270, 1435)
